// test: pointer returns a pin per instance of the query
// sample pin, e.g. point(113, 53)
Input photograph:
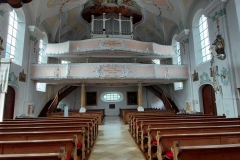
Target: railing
point(160, 94)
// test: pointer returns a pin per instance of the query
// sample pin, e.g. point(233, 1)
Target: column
point(120, 23)
point(104, 21)
point(83, 99)
point(140, 107)
point(92, 27)
point(65, 111)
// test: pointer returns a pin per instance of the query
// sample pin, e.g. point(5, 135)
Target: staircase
point(52, 104)
point(168, 103)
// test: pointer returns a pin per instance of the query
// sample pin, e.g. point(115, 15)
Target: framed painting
point(91, 98)
point(132, 98)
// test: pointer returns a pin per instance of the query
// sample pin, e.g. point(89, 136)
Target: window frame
point(13, 25)
point(204, 39)
point(106, 93)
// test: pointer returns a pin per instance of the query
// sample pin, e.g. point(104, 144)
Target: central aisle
point(114, 142)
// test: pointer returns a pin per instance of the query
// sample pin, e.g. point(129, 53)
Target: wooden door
point(208, 96)
point(9, 103)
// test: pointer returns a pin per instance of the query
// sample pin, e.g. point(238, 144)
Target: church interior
point(119, 79)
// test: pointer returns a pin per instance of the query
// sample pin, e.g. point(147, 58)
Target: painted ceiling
point(70, 19)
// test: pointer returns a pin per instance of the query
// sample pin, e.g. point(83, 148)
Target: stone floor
point(115, 142)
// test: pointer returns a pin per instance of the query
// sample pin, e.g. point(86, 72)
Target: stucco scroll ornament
point(112, 44)
point(112, 70)
point(204, 79)
point(167, 73)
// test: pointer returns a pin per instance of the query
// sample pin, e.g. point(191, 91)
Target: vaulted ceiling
point(70, 19)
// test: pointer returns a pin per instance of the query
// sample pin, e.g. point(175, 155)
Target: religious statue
point(219, 45)
point(1, 42)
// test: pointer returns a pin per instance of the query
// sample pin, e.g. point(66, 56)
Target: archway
point(9, 103)
point(209, 101)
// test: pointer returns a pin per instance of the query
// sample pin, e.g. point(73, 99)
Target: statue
point(220, 45)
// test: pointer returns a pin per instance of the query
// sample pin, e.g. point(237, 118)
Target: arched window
point(201, 40)
point(15, 38)
point(41, 59)
point(178, 53)
point(204, 39)
point(176, 46)
point(12, 35)
point(177, 60)
point(112, 96)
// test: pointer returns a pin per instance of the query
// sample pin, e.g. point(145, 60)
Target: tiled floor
point(115, 142)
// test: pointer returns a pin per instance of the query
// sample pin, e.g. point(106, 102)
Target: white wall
point(73, 100)
point(227, 100)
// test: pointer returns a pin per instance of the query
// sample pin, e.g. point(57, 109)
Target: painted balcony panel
point(116, 71)
point(94, 46)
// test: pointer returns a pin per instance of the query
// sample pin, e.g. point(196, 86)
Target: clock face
point(225, 77)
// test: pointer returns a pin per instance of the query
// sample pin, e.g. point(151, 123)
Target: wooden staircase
point(168, 103)
point(52, 104)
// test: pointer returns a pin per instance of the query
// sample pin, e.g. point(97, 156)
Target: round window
point(112, 96)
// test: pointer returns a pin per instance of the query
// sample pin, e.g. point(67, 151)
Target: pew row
point(99, 115)
point(62, 155)
point(79, 138)
point(144, 127)
point(164, 142)
point(40, 146)
point(207, 152)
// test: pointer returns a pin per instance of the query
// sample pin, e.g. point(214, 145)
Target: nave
point(114, 142)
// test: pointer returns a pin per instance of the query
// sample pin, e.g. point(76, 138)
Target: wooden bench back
point(209, 152)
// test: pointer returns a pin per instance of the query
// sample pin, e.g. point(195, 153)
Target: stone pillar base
point(82, 110)
point(140, 109)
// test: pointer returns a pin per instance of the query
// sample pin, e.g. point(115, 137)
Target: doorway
point(9, 103)
point(209, 101)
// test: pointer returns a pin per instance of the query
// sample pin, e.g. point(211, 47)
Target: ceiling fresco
point(153, 19)
point(125, 7)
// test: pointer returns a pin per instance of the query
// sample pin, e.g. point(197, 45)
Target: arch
point(11, 101)
point(20, 34)
point(207, 99)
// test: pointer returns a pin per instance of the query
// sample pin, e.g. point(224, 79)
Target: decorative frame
point(91, 98)
point(22, 76)
point(132, 98)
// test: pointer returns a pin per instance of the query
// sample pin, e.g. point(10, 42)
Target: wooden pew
point(99, 115)
point(94, 119)
point(164, 142)
point(154, 132)
point(36, 156)
point(135, 127)
point(126, 116)
point(88, 133)
point(134, 119)
point(145, 127)
point(40, 146)
point(79, 136)
point(207, 152)
point(89, 141)
point(91, 125)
